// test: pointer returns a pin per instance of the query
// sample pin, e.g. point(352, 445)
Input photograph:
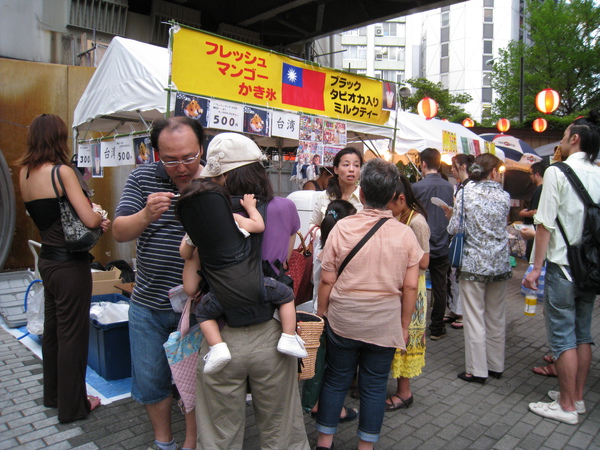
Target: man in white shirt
point(568, 310)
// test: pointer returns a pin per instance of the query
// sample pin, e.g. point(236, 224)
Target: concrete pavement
point(447, 413)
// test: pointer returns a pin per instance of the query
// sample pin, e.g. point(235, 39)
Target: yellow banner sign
point(212, 66)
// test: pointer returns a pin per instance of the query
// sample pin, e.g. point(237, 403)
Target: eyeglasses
point(185, 161)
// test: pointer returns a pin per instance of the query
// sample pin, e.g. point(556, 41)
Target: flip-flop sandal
point(458, 324)
point(94, 402)
point(549, 359)
point(449, 319)
point(402, 404)
point(546, 371)
point(351, 414)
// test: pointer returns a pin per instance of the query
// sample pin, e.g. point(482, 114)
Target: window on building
point(486, 95)
point(488, 31)
point(445, 16)
point(444, 50)
point(488, 3)
point(488, 15)
point(444, 79)
point(444, 65)
point(390, 29)
point(487, 47)
point(355, 51)
point(487, 79)
point(486, 111)
point(377, 74)
point(445, 34)
point(399, 77)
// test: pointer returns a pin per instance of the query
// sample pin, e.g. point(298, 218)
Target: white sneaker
point(217, 357)
point(554, 411)
point(292, 345)
point(579, 405)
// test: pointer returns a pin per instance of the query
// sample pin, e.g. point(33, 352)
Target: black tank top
point(46, 216)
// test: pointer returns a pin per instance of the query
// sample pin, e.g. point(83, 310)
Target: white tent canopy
point(414, 131)
point(128, 85)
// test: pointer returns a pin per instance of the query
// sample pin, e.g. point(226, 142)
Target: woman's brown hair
point(46, 142)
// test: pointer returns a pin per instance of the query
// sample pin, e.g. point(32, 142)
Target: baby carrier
point(230, 263)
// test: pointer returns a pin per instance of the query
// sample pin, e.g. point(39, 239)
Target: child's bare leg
point(290, 343)
point(287, 314)
point(211, 332)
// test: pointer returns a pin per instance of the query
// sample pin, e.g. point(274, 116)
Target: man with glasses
point(146, 213)
point(536, 173)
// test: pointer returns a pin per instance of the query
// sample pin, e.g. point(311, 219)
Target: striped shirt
point(159, 265)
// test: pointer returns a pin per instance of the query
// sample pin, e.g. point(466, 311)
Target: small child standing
point(209, 309)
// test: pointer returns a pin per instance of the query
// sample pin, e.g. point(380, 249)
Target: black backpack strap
point(576, 183)
point(578, 187)
point(361, 243)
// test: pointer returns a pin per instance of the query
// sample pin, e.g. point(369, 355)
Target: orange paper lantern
point(540, 125)
point(427, 108)
point(547, 101)
point(468, 122)
point(503, 125)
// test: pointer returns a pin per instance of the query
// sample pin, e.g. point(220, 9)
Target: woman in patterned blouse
point(485, 268)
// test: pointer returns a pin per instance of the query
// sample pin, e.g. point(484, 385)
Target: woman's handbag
point(78, 237)
point(457, 243)
point(182, 354)
point(300, 265)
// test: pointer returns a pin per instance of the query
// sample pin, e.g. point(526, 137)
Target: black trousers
point(67, 297)
point(438, 272)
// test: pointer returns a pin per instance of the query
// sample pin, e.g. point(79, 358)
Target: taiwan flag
point(302, 87)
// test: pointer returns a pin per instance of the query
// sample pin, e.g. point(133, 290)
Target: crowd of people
point(375, 319)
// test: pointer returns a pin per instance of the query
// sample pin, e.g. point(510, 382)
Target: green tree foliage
point(449, 105)
point(565, 56)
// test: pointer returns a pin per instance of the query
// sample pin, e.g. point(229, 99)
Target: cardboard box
point(109, 353)
point(104, 282)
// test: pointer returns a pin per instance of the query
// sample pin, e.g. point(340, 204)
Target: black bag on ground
point(584, 259)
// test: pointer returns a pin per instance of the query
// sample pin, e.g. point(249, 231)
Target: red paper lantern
point(547, 101)
point(503, 125)
point(468, 122)
point(427, 108)
point(540, 125)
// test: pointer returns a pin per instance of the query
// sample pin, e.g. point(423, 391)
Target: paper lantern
point(547, 101)
point(427, 108)
point(503, 125)
point(468, 122)
point(540, 125)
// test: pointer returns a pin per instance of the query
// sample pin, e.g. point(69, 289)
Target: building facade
point(454, 45)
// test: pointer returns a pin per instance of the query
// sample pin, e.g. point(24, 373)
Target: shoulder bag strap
point(361, 243)
point(56, 171)
point(462, 210)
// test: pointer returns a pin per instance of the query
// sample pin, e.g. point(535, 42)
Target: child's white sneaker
point(292, 345)
point(217, 357)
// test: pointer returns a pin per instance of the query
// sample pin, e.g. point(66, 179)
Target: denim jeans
point(149, 329)
point(568, 311)
point(343, 356)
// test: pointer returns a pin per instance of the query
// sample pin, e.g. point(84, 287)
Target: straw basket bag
point(310, 328)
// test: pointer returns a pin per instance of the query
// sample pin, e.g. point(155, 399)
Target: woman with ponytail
point(485, 268)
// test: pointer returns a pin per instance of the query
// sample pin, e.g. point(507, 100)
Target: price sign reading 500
point(226, 116)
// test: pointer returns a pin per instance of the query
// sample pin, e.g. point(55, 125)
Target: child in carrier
point(210, 309)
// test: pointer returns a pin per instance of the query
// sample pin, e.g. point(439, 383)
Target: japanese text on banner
point(245, 74)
